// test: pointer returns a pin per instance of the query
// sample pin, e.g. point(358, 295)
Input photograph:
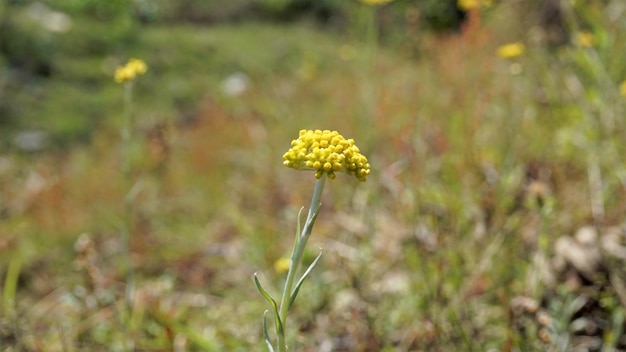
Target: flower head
point(326, 152)
point(511, 50)
point(132, 69)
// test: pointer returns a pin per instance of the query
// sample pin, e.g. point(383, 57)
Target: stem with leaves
point(290, 291)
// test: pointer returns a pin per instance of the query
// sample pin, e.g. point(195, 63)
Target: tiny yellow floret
point(132, 69)
point(326, 152)
point(510, 51)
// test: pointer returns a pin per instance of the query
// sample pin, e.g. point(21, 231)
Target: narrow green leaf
point(298, 231)
point(308, 225)
point(266, 334)
point(304, 276)
point(316, 212)
point(268, 297)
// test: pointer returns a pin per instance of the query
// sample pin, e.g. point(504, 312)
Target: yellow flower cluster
point(510, 51)
point(326, 152)
point(132, 69)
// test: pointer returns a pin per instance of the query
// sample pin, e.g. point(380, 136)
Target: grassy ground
point(483, 170)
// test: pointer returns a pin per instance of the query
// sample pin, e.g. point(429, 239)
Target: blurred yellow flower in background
point(282, 265)
point(132, 69)
point(584, 39)
point(510, 51)
point(622, 88)
point(466, 5)
point(375, 2)
point(326, 152)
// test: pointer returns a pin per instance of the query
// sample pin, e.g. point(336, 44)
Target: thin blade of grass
point(10, 283)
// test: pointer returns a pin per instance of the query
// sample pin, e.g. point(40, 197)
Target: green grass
point(428, 254)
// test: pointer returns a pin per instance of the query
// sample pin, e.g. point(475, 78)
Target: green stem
point(128, 201)
point(296, 257)
point(127, 218)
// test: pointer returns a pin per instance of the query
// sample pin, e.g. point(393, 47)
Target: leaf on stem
point(266, 334)
point(298, 231)
point(268, 297)
point(304, 276)
point(308, 225)
point(316, 211)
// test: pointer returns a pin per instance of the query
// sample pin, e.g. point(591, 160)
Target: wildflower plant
point(326, 153)
point(126, 75)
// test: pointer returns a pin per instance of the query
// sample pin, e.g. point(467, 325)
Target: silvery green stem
point(296, 256)
point(128, 201)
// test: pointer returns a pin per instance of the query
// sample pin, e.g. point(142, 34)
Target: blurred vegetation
point(494, 217)
point(49, 48)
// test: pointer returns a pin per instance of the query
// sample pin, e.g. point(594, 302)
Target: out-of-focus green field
point(493, 219)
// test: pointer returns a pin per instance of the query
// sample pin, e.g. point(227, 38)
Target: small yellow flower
point(622, 88)
point(510, 51)
point(132, 69)
point(375, 2)
point(584, 39)
point(326, 152)
point(138, 66)
point(466, 5)
point(282, 265)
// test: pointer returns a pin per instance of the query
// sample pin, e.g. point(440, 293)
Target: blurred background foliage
point(49, 48)
point(493, 219)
